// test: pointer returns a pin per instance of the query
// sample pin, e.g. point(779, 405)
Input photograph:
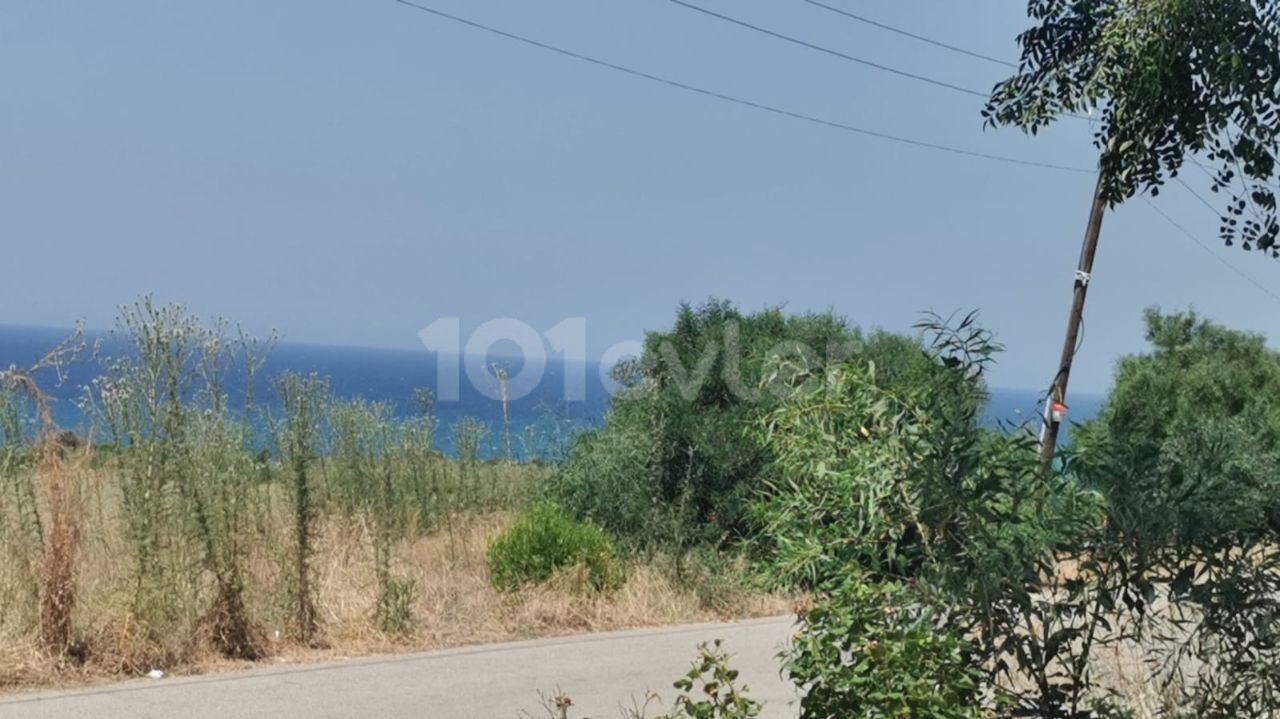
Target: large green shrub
point(1186, 452)
point(900, 487)
point(676, 463)
point(545, 540)
point(1158, 531)
point(868, 650)
point(1188, 441)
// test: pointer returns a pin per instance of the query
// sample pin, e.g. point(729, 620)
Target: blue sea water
point(1011, 407)
point(542, 422)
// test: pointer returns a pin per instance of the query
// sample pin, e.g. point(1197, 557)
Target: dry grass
point(1121, 665)
point(1124, 670)
point(454, 603)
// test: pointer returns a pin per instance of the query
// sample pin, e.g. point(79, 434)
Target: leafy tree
point(1170, 80)
point(1186, 454)
point(1197, 370)
point(1195, 427)
point(676, 462)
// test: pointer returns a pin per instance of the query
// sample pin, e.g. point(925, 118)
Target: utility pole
point(1084, 272)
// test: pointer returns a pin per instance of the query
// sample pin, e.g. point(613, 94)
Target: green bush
point(903, 489)
point(1187, 444)
point(865, 650)
point(545, 540)
point(676, 464)
point(1159, 528)
point(1186, 452)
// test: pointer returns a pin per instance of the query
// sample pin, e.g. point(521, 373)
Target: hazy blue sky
point(350, 170)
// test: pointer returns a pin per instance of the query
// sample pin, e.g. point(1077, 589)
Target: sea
point(541, 423)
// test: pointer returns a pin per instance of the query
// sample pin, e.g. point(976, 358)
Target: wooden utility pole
point(1084, 272)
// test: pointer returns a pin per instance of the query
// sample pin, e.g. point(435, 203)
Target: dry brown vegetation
point(453, 603)
point(202, 530)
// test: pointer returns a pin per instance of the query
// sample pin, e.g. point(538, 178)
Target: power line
point(737, 100)
point(1203, 169)
point(1208, 205)
point(820, 121)
point(827, 50)
point(1208, 250)
point(1212, 174)
point(913, 36)
point(936, 43)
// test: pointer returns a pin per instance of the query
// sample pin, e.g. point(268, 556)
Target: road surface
point(599, 672)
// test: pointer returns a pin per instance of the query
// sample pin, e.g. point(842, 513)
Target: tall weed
point(299, 441)
point(364, 453)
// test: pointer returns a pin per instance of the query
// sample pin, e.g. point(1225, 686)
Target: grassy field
point(200, 525)
point(442, 559)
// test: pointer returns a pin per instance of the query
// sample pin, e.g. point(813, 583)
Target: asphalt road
point(599, 672)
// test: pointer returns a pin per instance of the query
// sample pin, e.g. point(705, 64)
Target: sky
point(350, 171)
